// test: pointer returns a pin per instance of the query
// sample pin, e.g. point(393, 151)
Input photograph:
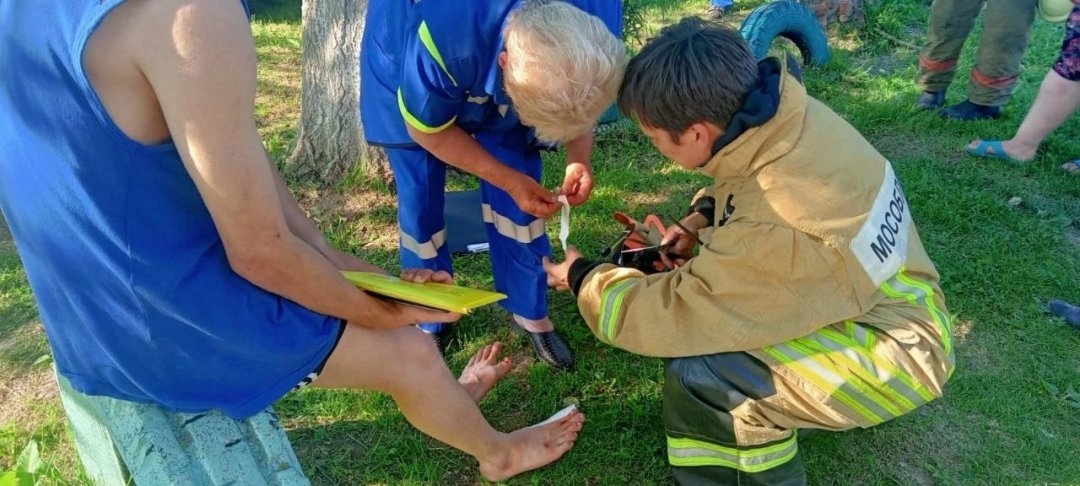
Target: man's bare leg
point(484, 370)
point(404, 363)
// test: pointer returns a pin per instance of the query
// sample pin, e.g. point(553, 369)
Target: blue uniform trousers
point(517, 239)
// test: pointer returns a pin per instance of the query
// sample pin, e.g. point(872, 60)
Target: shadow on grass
point(21, 338)
point(276, 10)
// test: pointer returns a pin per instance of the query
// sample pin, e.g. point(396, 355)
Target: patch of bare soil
point(914, 474)
point(886, 64)
point(21, 396)
point(949, 436)
point(974, 354)
point(5, 233)
point(351, 205)
point(892, 144)
point(369, 215)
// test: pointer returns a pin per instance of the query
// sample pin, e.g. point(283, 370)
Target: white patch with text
point(881, 244)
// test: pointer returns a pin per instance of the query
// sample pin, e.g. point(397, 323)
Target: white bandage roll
point(564, 222)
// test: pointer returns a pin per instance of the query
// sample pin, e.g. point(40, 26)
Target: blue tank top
point(128, 270)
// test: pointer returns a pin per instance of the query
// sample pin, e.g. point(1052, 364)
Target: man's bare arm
point(578, 181)
point(304, 228)
point(579, 150)
point(199, 57)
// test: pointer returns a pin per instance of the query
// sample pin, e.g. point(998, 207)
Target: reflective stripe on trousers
point(732, 418)
point(840, 359)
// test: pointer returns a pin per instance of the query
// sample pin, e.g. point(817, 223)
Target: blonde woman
point(482, 85)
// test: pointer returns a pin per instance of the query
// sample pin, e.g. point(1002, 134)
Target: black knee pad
point(701, 391)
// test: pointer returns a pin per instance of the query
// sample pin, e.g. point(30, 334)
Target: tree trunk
point(331, 139)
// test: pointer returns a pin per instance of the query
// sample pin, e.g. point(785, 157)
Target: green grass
point(1007, 416)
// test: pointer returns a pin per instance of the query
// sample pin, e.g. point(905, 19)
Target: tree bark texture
point(331, 142)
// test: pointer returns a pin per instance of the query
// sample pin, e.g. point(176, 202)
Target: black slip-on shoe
point(549, 346)
point(968, 111)
point(930, 100)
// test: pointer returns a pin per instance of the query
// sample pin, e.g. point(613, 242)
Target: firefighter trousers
point(734, 418)
point(1006, 24)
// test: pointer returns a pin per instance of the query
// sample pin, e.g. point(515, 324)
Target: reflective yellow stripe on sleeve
point(429, 44)
point(415, 122)
point(686, 452)
point(611, 303)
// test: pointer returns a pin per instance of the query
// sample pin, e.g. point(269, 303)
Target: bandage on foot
point(561, 414)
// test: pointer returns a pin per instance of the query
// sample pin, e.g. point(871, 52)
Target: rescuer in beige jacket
point(810, 304)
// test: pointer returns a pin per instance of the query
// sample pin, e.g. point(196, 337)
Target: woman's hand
point(578, 183)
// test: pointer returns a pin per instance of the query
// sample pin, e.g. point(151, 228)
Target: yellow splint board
point(451, 298)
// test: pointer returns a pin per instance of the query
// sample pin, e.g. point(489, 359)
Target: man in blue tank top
point(169, 261)
point(474, 84)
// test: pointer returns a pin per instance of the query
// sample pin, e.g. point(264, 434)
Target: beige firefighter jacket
point(820, 225)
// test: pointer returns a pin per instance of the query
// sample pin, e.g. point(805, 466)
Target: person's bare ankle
point(532, 448)
point(1019, 150)
point(535, 325)
point(497, 465)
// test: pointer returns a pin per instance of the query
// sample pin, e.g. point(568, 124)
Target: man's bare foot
point(484, 370)
point(534, 447)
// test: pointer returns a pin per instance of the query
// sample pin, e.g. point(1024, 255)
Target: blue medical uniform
point(433, 64)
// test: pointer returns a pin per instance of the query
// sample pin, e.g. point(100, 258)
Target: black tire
point(791, 20)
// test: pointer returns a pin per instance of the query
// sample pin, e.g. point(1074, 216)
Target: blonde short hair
point(563, 68)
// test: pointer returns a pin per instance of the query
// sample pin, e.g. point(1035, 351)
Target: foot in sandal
point(1001, 149)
